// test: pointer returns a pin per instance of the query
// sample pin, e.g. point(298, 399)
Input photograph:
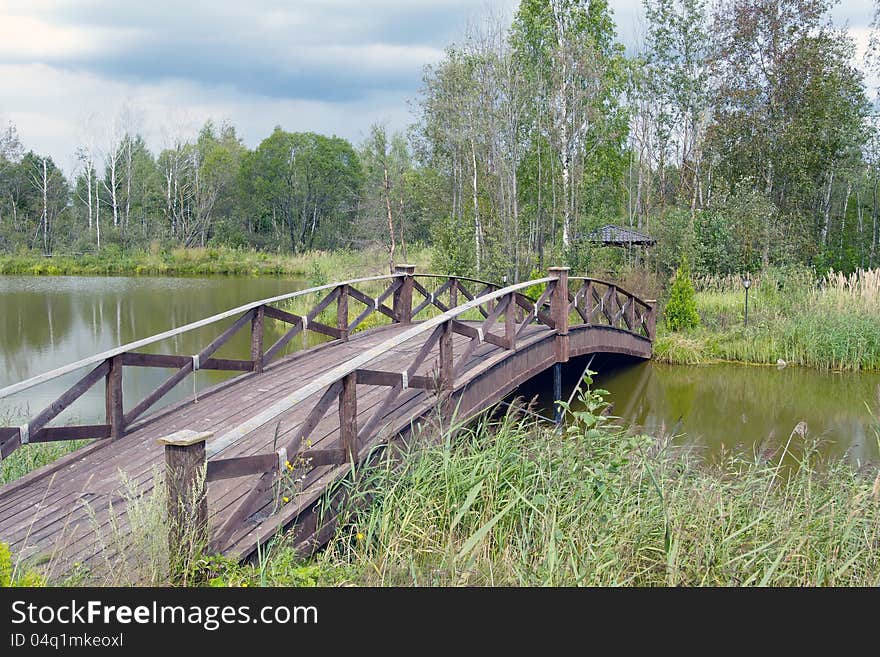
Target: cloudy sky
point(69, 68)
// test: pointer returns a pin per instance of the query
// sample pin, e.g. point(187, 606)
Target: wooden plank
point(383, 378)
point(77, 432)
point(158, 393)
point(223, 338)
point(317, 327)
point(370, 304)
point(240, 466)
point(281, 342)
point(319, 457)
point(175, 361)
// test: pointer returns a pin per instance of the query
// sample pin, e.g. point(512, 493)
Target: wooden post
point(257, 339)
point(342, 312)
point(453, 292)
point(403, 294)
point(446, 359)
point(652, 317)
point(510, 321)
point(446, 379)
point(559, 311)
point(113, 398)
point(185, 469)
point(348, 417)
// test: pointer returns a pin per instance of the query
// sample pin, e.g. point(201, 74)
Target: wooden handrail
point(330, 377)
point(131, 346)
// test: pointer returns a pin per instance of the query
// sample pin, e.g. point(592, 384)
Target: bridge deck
point(73, 515)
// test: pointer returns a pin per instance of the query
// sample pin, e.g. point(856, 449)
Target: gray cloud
point(334, 51)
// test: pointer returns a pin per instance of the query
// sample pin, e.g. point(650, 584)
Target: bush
point(681, 310)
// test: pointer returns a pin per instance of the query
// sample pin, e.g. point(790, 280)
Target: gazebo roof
point(619, 236)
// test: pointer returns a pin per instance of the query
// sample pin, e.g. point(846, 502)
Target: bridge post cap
point(559, 269)
point(405, 267)
point(185, 438)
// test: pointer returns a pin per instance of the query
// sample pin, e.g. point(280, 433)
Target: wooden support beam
point(240, 466)
point(187, 499)
point(176, 362)
point(314, 457)
point(559, 311)
point(348, 438)
point(257, 339)
point(403, 294)
point(509, 322)
point(385, 378)
point(77, 432)
point(113, 401)
point(342, 313)
point(651, 320)
point(447, 374)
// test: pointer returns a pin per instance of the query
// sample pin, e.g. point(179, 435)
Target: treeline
point(294, 192)
point(739, 135)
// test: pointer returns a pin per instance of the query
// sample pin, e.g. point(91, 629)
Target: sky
point(76, 71)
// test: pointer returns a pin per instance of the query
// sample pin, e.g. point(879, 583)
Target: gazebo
point(627, 238)
point(611, 235)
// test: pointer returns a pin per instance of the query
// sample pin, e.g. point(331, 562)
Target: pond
point(47, 322)
point(727, 405)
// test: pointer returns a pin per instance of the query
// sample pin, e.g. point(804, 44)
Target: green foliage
point(681, 309)
point(10, 575)
point(508, 502)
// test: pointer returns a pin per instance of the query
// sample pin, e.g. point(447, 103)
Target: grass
point(156, 261)
point(509, 502)
point(830, 324)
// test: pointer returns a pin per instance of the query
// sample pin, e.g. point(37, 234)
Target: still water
point(49, 322)
point(729, 406)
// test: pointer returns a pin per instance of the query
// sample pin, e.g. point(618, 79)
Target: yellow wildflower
point(286, 499)
point(359, 536)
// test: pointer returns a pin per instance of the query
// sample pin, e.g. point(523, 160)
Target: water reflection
point(48, 322)
point(728, 405)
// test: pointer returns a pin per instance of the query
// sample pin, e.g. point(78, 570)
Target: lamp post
point(746, 284)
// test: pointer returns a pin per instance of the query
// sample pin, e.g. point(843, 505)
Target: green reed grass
point(508, 502)
point(833, 323)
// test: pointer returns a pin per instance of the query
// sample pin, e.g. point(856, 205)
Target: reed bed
point(832, 323)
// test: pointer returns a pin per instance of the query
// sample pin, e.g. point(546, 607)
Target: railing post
point(510, 321)
point(342, 312)
point(257, 338)
point(453, 291)
point(446, 378)
point(403, 294)
point(559, 311)
point(446, 358)
point(652, 317)
point(185, 468)
point(348, 417)
point(113, 397)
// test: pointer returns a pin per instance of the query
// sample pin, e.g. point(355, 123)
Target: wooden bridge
point(288, 429)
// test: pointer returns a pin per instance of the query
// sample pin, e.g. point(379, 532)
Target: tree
point(681, 309)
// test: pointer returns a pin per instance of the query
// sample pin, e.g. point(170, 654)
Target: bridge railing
point(507, 315)
point(393, 300)
point(501, 317)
